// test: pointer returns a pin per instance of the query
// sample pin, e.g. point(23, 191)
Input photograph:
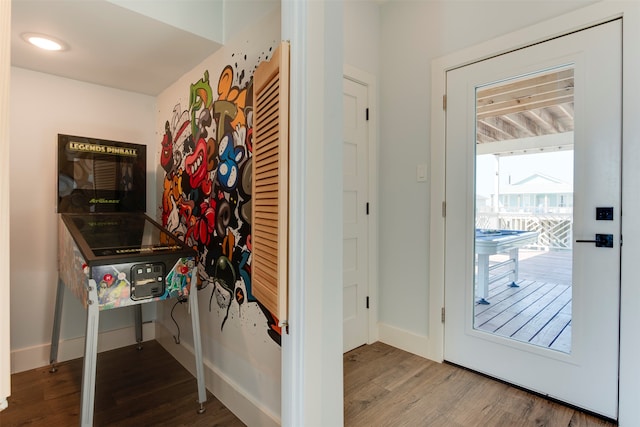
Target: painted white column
point(312, 386)
point(5, 71)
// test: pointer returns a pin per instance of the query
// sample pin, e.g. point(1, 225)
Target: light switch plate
point(421, 173)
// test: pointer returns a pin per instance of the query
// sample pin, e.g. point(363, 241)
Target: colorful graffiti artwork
point(206, 154)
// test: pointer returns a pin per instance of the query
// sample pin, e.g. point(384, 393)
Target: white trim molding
point(231, 394)
point(404, 340)
point(37, 356)
point(293, 364)
point(5, 282)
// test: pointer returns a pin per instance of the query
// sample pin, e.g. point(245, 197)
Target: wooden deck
point(539, 310)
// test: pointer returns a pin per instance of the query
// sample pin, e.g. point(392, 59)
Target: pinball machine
point(111, 255)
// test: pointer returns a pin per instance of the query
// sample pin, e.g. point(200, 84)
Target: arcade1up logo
point(103, 201)
point(100, 175)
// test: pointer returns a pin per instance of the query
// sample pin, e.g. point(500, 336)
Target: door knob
point(601, 241)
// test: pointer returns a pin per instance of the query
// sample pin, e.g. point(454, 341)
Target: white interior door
point(585, 373)
point(355, 235)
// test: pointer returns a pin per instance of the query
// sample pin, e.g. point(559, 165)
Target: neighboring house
point(483, 203)
point(537, 193)
point(538, 203)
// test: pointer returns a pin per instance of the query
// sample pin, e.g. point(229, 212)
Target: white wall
point(240, 15)
point(242, 361)
point(5, 74)
point(362, 35)
point(412, 34)
point(217, 20)
point(203, 18)
point(42, 106)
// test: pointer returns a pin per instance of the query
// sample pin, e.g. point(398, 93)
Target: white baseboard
point(404, 340)
point(227, 391)
point(3, 404)
point(28, 358)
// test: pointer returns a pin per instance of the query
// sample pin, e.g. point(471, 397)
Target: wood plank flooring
point(383, 386)
point(133, 388)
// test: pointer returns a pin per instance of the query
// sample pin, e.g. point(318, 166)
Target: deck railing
point(555, 231)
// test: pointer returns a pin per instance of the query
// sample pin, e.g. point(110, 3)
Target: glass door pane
point(524, 208)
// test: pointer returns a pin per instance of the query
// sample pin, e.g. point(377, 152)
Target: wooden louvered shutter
point(270, 185)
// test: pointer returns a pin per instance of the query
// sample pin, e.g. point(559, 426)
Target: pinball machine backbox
point(104, 232)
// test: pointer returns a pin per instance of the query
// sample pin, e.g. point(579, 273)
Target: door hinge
point(367, 114)
point(444, 209)
point(367, 302)
point(367, 208)
point(444, 102)
point(442, 315)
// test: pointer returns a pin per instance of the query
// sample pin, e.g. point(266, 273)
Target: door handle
point(601, 241)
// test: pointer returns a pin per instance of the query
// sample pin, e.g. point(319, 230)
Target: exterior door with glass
point(532, 257)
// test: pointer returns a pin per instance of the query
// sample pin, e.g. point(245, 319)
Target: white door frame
point(5, 282)
point(629, 410)
point(369, 80)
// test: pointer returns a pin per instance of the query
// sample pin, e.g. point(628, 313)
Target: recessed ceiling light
point(44, 42)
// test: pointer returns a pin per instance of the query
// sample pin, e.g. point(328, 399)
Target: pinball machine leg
point(137, 309)
point(197, 344)
point(55, 334)
point(90, 357)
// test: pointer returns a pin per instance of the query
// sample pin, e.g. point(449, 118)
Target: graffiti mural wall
point(206, 157)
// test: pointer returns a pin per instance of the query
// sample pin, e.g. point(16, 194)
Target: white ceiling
point(109, 45)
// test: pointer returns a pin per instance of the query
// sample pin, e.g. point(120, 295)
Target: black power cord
point(180, 300)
